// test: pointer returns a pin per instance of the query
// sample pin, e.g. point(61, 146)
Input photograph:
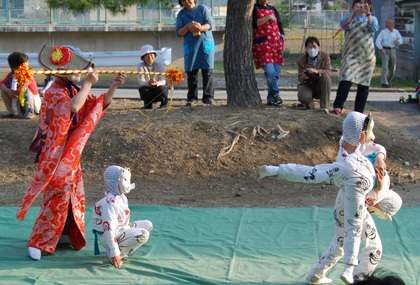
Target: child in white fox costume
point(111, 218)
point(355, 175)
point(381, 201)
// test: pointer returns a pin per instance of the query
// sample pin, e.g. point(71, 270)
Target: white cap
point(353, 127)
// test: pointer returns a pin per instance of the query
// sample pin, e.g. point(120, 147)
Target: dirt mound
point(205, 156)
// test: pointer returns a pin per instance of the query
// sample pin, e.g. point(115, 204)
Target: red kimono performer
point(67, 119)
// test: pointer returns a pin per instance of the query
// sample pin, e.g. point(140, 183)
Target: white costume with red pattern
point(111, 217)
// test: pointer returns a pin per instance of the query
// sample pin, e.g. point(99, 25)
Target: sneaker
point(277, 101)
point(191, 103)
point(310, 279)
point(34, 253)
point(347, 275)
point(300, 106)
point(209, 101)
point(325, 111)
point(337, 111)
point(385, 86)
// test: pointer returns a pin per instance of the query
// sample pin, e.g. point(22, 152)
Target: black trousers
point(151, 94)
point(208, 87)
point(343, 92)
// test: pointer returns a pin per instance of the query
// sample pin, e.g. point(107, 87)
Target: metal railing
point(36, 12)
point(317, 19)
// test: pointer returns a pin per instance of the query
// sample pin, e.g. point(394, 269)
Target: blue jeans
point(272, 73)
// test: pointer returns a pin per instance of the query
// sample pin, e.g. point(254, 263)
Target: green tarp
point(208, 246)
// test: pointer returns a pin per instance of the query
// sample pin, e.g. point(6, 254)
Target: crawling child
point(111, 218)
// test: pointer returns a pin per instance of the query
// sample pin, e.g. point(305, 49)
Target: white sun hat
point(146, 49)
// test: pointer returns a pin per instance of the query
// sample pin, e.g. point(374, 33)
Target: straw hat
point(63, 57)
point(146, 49)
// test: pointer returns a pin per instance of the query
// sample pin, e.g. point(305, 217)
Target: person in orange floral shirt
point(12, 90)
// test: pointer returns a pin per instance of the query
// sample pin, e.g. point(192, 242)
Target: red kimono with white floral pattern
point(59, 174)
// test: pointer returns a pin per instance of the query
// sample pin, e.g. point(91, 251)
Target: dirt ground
point(205, 156)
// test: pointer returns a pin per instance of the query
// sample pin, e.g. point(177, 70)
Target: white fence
point(106, 58)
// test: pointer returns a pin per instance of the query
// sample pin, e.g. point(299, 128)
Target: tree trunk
point(241, 86)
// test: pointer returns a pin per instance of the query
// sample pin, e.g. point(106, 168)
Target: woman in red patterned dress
point(67, 118)
point(268, 46)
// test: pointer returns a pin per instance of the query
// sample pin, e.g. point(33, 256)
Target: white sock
point(34, 253)
point(347, 274)
point(312, 278)
point(266, 170)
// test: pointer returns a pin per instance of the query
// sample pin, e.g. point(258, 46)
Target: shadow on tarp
point(207, 246)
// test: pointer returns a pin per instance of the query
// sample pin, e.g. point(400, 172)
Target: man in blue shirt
point(386, 42)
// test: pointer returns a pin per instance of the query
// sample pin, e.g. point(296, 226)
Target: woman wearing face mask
point(314, 71)
point(68, 116)
point(358, 60)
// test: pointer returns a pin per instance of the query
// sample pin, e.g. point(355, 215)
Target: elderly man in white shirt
point(386, 42)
